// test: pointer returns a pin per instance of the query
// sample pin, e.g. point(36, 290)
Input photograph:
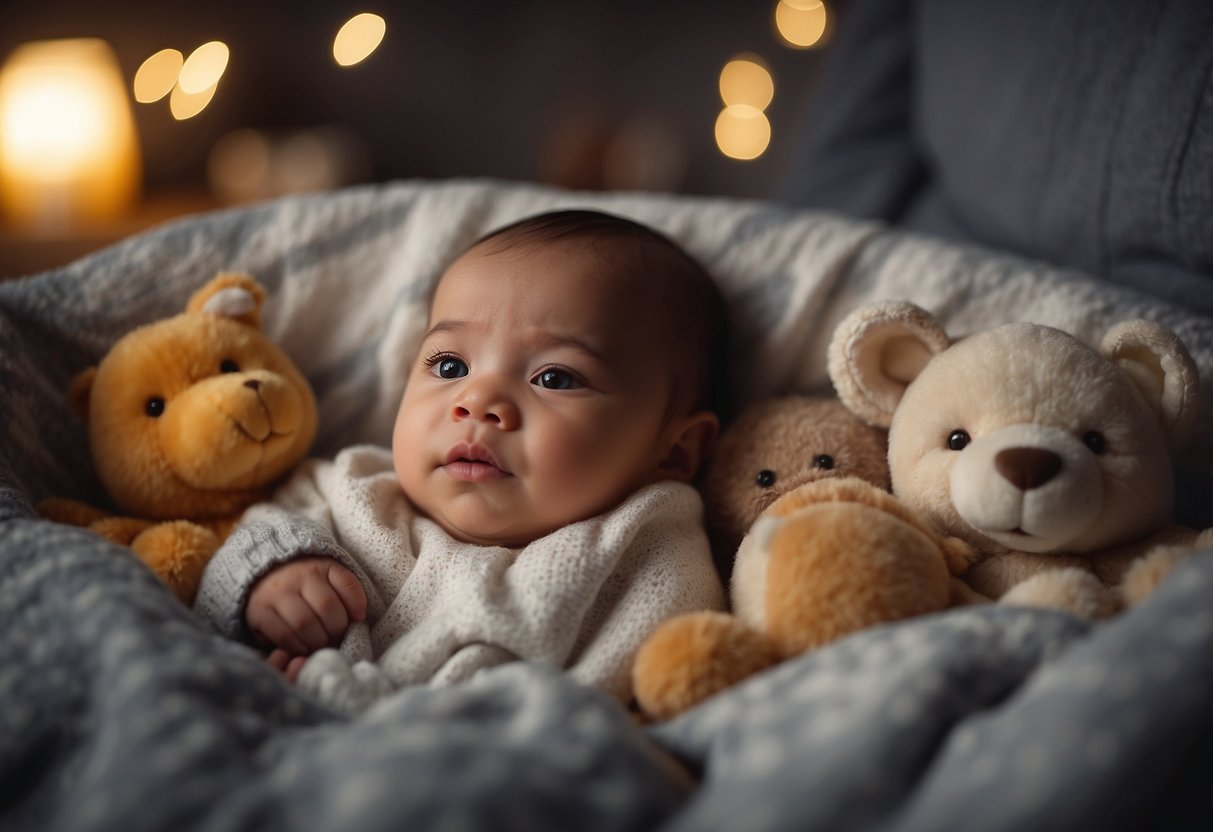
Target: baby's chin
point(477, 531)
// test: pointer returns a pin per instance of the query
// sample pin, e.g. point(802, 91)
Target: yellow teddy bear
point(190, 420)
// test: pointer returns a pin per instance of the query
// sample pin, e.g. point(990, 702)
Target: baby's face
point(538, 397)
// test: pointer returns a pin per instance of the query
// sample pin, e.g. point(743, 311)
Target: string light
point(747, 89)
point(742, 132)
point(801, 23)
point(358, 38)
point(203, 68)
point(157, 75)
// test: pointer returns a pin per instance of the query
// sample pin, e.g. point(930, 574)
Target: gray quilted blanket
point(120, 710)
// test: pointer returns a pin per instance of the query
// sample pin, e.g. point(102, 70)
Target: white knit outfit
point(582, 598)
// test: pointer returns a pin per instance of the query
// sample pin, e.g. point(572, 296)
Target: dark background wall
point(539, 89)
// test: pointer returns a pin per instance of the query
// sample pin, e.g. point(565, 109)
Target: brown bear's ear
point(79, 391)
point(232, 295)
point(877, 351)
point(1159, 365)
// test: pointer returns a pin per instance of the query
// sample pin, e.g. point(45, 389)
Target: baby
point(536, 501)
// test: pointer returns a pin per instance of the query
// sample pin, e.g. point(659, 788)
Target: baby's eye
point(450, 368)
point(556, 380)
point(765, 478)
point(823, 461)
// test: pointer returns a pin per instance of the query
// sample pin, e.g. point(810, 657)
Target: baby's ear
point(877, 351)
point(230, 295)
point(1161, 368)
point(691, 440)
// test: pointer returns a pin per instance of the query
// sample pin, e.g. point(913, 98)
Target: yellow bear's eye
point(227, 365)
point(154, 407)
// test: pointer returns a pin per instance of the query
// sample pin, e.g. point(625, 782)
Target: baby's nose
point(495, 410)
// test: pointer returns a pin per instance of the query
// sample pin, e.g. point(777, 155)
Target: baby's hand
point(304, 605)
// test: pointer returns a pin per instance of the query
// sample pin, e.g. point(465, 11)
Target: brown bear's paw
point(70, 512)
point(120, 529)
point(691, 657)
point(1071, 589)
point(177, 552)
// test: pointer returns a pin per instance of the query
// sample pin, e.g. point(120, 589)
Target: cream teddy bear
point(1051, 458)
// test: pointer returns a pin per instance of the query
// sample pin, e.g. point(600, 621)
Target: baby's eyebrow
point(551, 340)
point(445, 326)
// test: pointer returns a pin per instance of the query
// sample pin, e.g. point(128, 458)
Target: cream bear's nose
point(1027, 468)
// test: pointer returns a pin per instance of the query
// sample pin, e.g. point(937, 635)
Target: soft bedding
point(121, 710)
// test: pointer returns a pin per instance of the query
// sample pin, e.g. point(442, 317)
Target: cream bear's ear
point(231, 295)
point(1159, 364)
point(80, 390)
point(877, 351)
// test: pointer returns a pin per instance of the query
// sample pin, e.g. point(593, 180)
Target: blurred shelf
point(25, 251)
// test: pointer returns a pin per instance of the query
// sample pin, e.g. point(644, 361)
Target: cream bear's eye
point(823, 461)
point(1096, 441)
point(765, 478)
point(958, 439)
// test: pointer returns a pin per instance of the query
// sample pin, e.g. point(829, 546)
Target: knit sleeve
point(294, 524)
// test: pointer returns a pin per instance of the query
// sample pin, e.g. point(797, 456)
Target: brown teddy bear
point(1051, 458)
point(828, 551)
point(190, 420)
point(774, 446)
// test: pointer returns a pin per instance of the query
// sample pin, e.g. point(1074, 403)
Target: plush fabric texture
point(122, 710)
point(1039, 450)
point(1074, 131)
point(439, 610)
point(775, 445)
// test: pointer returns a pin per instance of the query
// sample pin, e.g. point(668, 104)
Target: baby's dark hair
point(689, 294)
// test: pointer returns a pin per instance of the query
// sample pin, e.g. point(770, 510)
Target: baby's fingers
point(352, 595)
point(303, 623)
point(268, 625)
point(329, 608)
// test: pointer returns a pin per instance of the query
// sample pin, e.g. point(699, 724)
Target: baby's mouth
point(473, 463)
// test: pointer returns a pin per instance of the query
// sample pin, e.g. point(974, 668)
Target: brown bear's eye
point(958, 440)
point(154, 407)
point(766, 478)
point(227, 365)
point(823, 461)
point(1095, 440)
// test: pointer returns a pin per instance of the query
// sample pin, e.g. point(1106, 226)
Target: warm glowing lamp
point(68, 148)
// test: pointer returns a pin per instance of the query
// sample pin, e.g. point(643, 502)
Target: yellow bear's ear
point(79, 391)
point(233, 295)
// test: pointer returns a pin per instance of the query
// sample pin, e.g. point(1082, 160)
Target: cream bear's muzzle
point(1028, 487)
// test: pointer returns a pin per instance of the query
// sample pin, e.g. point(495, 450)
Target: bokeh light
point(185, 105)
point(203, 68)
point(157, 75)
point(742, 132)
point(744, 80)
point(358, 38)
point(801, 23)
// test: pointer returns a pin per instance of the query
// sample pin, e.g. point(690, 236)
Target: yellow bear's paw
point(177, 552)
point(689, 658)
